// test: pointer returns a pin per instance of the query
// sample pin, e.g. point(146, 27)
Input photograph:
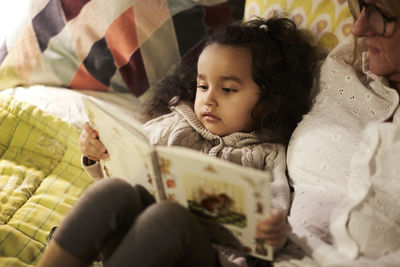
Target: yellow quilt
point(40, 179)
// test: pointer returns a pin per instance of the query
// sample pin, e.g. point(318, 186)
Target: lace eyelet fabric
point(339, 163)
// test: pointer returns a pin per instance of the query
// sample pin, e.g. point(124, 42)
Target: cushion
point(107, 45)
point(41, 178)
point(328, 20)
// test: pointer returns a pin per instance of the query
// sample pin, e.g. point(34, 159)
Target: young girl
point(242, 101)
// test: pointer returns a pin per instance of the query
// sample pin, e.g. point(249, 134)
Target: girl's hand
point(273, 229)
point(90, 145)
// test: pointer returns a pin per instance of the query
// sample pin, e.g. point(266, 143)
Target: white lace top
point(343, 161)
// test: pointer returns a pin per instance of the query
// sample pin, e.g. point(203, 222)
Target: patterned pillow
point(328, 20)
point(108, 45)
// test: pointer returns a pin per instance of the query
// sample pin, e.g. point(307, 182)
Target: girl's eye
point(229, 90)
point(202, 87)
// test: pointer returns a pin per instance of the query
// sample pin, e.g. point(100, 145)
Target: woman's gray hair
point(393, 5)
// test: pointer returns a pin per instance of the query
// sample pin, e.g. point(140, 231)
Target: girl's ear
point(266, 107)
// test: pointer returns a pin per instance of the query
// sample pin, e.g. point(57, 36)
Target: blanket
point(40, 179)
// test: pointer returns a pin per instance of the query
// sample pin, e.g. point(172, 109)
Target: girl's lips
point(208, 116)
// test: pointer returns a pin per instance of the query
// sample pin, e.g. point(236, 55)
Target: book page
point(127, 145)
point(220, 193)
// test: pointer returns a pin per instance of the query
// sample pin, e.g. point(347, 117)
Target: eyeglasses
point(375, 17)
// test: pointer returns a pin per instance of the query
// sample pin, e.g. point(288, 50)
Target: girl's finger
point(98, 151)
point(271, 231)
point(96, 144)
point(271, 235)
point(90, 131)
point(276, 241)
point(265, 226)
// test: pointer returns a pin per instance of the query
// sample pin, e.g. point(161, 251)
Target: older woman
point(344, 156)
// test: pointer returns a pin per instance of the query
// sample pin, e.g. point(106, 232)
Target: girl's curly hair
point(282, 67)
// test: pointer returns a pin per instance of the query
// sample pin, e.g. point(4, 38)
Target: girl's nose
point(361, 26)
point(210, 97)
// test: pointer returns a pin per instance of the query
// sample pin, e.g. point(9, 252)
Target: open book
point(228, 198)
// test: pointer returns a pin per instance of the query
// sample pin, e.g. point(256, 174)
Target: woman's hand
point(273, 229)
point(90, 145)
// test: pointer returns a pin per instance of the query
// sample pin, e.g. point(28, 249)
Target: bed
point(113, 51)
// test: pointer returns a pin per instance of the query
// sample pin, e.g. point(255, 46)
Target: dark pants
point(126, 225)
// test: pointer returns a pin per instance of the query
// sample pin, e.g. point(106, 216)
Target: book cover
point(228, 199)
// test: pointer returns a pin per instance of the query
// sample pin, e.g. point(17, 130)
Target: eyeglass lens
point(374, 17)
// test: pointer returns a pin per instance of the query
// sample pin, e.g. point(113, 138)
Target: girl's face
point(226, 93)
point(384, 51)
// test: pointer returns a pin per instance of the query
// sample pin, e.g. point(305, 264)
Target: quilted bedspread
point(40, 179)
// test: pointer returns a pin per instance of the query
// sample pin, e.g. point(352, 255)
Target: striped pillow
point(108, 45)
point(329, 21)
